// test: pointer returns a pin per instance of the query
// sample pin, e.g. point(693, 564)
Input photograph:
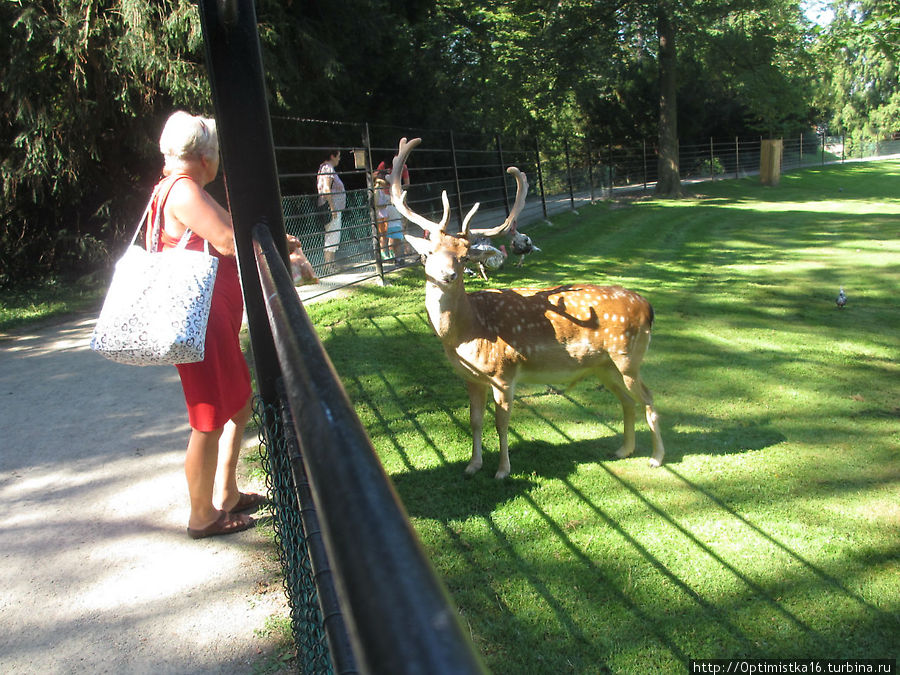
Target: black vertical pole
point(737, 158)
point(712, 159)
point(644, 157)
point(569, 174)
point(823, 149)
point(590, 156)
point(537, 155)
point(609, 165)
point(459, 207)
point(503, 175)
point(370, 181)
point(234, 63)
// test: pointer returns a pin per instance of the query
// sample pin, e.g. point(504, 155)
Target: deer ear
point(421, 246)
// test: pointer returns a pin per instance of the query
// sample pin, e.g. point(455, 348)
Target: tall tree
point(861, 47)
point(668, 182)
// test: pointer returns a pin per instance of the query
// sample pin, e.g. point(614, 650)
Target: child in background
point(388, 220)
point(301, 270)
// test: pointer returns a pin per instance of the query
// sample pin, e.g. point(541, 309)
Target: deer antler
point(518, 205)
point(398, 194)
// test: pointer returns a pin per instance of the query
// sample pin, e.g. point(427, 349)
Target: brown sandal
point(248, 502)
point(226, 523)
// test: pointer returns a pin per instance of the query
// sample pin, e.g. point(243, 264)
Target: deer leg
point(643, 396)
point(659, 450)
point(503, 400)
point(615, 383)
point(477, 404)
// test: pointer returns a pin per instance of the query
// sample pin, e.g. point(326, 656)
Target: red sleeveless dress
point(216, 388)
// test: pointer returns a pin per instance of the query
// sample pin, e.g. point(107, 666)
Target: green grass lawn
point(773, 528)
point(51, 299)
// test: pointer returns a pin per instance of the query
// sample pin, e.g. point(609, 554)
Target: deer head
point(497, 338)
point(446, 254)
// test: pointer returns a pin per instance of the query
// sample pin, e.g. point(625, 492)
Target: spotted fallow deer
point(499, 338)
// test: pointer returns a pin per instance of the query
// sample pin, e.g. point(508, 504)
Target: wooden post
point(770, 162)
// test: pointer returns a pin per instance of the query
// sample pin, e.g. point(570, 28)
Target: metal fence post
point(569, 172)
point(644, 159)
point(459, 207)
point(537, 154)
point(609, 165)
point(370, 181)
point(737, 159)
point(590, 155)
point(712, 171)
point(823, 149)
point(236, 81)
point(503, 175)
point(800, 160)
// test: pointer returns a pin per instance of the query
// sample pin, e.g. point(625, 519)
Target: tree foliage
point(87, 84)
point(861, 47)
point(83, 85)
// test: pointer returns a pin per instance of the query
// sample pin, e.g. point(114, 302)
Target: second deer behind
point(496, 339)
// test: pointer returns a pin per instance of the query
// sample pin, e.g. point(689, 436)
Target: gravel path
point(98, 574)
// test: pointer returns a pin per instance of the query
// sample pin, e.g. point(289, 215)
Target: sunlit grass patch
point(770, 531)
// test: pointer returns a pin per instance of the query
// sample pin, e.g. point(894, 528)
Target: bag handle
point(157, 224)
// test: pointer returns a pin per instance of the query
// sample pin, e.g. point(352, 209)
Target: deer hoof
point(624, 452)
point(501, 474)
point(655, 462)
point(473, 468)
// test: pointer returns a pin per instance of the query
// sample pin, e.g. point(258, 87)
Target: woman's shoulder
point(184, 189)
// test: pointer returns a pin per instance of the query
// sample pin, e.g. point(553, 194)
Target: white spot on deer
point(606, 316)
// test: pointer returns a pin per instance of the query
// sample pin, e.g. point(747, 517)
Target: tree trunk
point(669, 182)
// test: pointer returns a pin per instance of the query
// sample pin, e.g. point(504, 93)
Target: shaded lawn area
point(772, 528)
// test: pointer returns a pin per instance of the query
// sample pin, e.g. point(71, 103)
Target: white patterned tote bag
point(157, 306)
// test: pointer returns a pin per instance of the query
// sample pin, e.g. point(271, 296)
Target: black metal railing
point(346, 541)
point(399, 616)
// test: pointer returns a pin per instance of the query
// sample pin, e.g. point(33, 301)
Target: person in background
point(331, 192)
point(388, 220)
point(384, 168)
point(301, 270)
point(217, 389)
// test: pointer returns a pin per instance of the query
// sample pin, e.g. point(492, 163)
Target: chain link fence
point(564, 174)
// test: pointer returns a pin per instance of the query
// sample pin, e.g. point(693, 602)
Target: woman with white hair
point(217, 389)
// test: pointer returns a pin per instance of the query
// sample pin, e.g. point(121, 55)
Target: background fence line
point(564, 173)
